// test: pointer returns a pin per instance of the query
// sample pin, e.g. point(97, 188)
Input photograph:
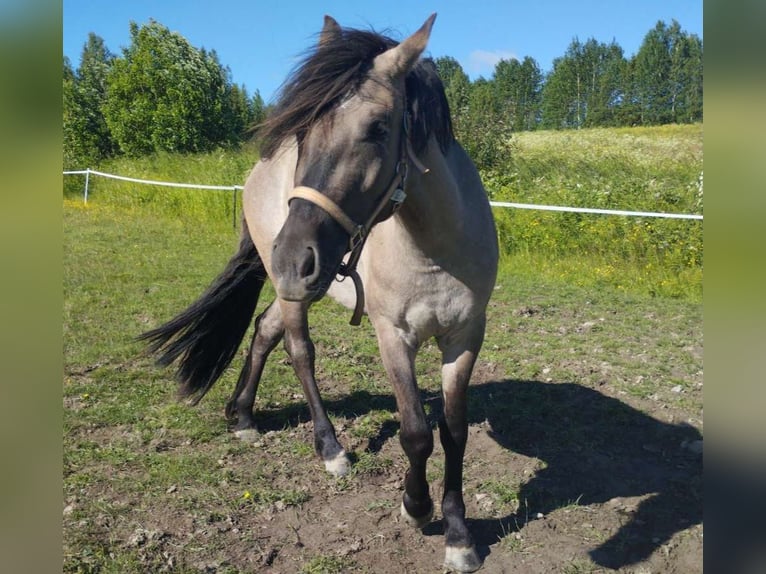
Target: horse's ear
point(398, 61)
point(330, 30)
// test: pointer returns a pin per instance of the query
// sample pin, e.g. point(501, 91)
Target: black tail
point(205, 337)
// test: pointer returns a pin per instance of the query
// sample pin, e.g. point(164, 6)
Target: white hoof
point(247, 435)
point(416, 522)
point(459, 559)
point(338, 466)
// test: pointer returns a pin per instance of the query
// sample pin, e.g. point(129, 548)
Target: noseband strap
point(328, 205)
point(357, 231)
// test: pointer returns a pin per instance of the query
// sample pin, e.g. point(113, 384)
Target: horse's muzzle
point(305, 258)
point(296, 270)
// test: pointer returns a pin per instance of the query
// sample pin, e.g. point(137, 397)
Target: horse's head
point(352, 150)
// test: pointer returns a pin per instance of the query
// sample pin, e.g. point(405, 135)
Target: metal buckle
point(342, 273)
point(398, 196)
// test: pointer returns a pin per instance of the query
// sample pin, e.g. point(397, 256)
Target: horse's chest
point(428, 303)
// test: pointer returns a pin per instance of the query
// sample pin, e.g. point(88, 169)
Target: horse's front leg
point(398, 354)
point(269, 329)
point(459, 353)
point(301, 350)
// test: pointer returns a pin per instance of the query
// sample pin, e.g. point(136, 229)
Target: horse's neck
point(435, 207)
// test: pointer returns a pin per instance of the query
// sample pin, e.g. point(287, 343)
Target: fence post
point(87, 182)
point(234, 208)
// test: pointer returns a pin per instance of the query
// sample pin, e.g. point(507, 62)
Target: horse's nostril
point(308, 265)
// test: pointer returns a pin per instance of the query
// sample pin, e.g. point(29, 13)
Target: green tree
point(562, 101)
point(71, 129)
point(607, 69)
point(517, 90)
point(457, 86)
point(478, 121)
point(585, 87)
point(484, 130)
point(87, 138)
point(652, 71)
point(164, 94)
point(257, 109)
point(693, 75)
point(237, 114)
point(667, 76)
point(685, 76)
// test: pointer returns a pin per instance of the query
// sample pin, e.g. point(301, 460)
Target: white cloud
point(482, 62)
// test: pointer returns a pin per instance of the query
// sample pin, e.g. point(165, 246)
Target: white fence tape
point(595, 210)
point(88, 172)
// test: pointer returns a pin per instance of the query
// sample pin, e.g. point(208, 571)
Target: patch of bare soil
point(558, 478)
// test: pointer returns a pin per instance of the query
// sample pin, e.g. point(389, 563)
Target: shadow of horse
point(595, 449)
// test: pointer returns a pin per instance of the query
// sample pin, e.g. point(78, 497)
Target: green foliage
point(456, 86)
point(164, 94)
point(479, 117)
point(518, 90)
point(585, 87)
point(225, 167)
point(87, 139)
point(668, 76)
point(591, 85)
point(640, 169)
point(646, 169)
point(485, 130)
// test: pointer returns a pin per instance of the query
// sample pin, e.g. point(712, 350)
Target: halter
point(358, 232)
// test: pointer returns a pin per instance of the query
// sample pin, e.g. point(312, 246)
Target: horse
point(360, 176)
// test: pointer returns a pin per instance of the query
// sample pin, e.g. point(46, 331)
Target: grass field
point(643, 169)
point(585, 413)
point(566, 371)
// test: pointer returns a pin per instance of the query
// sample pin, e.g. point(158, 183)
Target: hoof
point(247, 435)
point(338, 466)
point(416, 522)
point(457, 559)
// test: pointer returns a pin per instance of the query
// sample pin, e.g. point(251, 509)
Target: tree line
point(163, 94)
point(592, 85)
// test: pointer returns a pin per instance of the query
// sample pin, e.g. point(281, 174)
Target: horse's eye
point(378, 131)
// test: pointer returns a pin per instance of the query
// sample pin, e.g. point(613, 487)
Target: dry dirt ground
point(558, 478)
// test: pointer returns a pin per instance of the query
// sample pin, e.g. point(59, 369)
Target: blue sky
point(260, 40)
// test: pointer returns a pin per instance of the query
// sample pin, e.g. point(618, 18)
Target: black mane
point(338, 66)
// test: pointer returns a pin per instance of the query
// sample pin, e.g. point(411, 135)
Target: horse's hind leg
point(301, 350)
point(269, 329)
point(458, 357)
point(415, 434)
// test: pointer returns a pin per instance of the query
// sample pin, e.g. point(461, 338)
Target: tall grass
point(640, 169)
point(222, 167)
point(644, 169)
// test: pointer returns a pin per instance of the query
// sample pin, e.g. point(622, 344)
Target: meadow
point(655, 169)
point(585, 409)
